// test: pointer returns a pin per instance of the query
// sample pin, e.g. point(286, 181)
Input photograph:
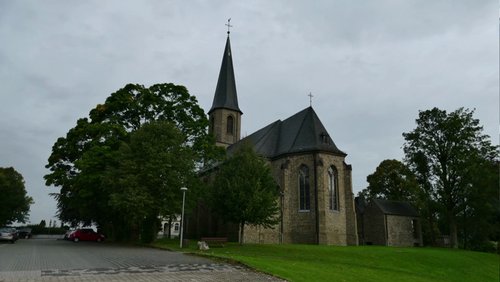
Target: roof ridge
point(395, 207)
point(315, 118)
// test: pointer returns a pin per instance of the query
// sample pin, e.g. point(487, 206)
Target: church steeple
point(225, 114)
point(225, 94)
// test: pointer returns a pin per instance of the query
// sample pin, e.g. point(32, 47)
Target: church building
point(317, 202)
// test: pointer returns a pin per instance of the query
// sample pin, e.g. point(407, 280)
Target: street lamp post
point(183, 189)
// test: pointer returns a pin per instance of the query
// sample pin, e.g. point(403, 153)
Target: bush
point(149, 230)
point(38, 229)
point(486, 246)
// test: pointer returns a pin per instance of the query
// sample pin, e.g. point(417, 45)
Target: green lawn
point(364, 263)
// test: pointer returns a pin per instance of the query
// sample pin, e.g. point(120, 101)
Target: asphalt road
point(58, 260)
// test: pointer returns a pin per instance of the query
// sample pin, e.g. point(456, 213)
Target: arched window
point(333, 188)
point(304, 189)
point(230, 125)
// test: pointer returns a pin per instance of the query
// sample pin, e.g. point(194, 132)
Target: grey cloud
point(371, 66)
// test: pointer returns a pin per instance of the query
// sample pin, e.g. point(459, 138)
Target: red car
point(86, 234)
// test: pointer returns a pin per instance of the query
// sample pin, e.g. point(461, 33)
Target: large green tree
point(151, 168)
point(479, 218)
point(81, 161)
point(445, 151)
point(392, 180)
point(14, 202)
point(244, 191)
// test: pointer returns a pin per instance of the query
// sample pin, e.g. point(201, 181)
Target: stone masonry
point(390, 229)
point(335, 227)
point(218, 125)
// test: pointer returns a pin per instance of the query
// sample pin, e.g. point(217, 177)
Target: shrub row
point(37, 229)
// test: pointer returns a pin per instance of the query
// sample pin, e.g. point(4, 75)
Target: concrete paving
point(56, 260)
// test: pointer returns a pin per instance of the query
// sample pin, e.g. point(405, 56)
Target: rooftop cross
point(310, 99)
point(228, 25)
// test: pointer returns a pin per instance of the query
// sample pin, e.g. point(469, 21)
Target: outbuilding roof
point(396, 207)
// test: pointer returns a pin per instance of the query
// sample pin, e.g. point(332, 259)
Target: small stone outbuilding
point(388, 223)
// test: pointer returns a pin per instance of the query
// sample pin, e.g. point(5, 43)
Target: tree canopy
point(447, 152)
point(392, 180)
point(149, 171)
point(14, 202)
point(244, 191)
point(478, 221)
point(104, 156)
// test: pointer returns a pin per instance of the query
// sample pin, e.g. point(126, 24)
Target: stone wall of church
point(261, 235)
point(351, 219)
point(298, 226)
point(336, 227)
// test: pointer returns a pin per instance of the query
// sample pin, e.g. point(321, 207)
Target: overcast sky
point(371, 66)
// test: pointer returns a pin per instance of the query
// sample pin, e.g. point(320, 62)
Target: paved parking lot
point(57, 260)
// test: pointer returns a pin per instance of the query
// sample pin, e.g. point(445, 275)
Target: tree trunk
point(453, 232)
point(464, 231)
point(431, 224)
point(242, 229)
point(169, 236)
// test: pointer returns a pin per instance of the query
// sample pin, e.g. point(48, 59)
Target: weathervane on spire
point(228, 25)
point(310, 99)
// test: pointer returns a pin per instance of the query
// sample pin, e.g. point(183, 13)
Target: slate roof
point(225, 93)
point(302, 132)
point(396, 208)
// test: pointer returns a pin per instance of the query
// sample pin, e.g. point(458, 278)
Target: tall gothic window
point(304, 189)
point(230, 125)
point(333, 189)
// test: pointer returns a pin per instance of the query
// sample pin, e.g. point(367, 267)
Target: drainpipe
point(284, 167)
point(316, 196)
point(282, 195)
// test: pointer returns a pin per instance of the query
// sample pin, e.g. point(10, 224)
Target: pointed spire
point(228, 26)
point(225, 94)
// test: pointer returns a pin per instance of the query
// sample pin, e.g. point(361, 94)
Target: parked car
point(13, 231)
point(86, 234)
point(66, 235)
point(24, 233)
point(7, 234)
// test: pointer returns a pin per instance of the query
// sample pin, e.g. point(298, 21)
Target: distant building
point(388, 223)
point(170, 227)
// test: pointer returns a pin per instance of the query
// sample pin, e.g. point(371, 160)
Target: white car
point(6, 234)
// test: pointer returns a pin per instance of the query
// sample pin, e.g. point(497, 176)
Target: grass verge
point(363, 263)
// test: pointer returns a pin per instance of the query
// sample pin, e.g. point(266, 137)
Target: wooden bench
point(215, 241)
